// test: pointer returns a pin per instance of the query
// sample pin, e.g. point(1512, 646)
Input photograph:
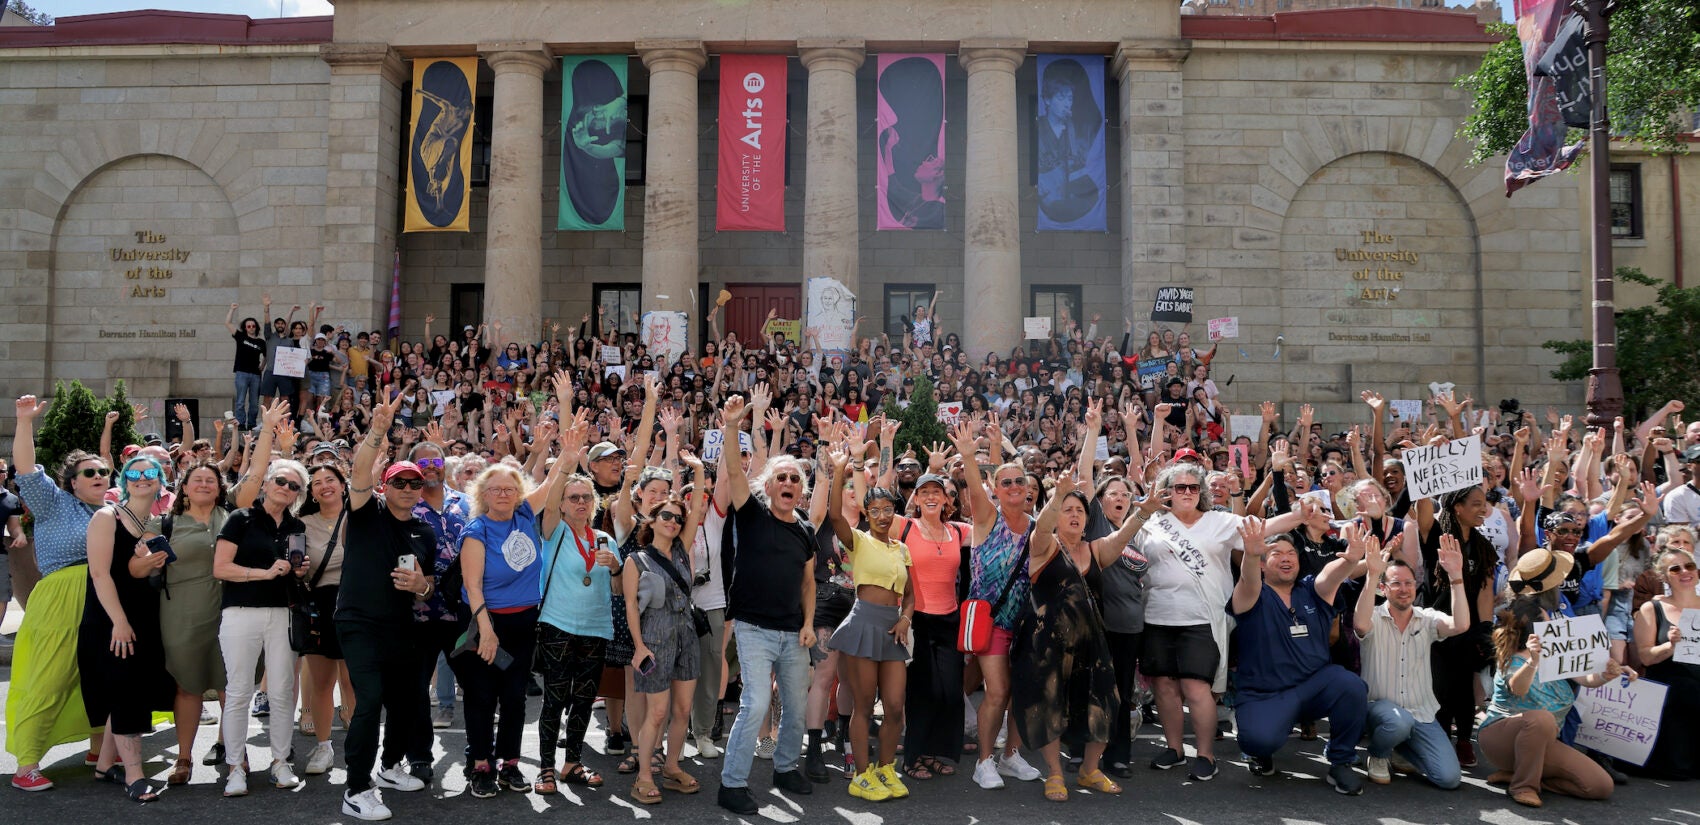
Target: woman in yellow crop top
point(873, 638)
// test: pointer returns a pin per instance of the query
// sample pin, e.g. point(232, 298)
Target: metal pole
point(1605, 388)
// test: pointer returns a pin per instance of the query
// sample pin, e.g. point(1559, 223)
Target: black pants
point(1455, 663)
point(430, 640)
point(1124, 657)
point(487, 686)
point(380, 663)
point(571, 667)
point(933, 701)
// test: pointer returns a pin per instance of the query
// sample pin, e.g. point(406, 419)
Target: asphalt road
point(1299, 796)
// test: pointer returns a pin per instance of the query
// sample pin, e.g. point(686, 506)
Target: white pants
point(244, 634)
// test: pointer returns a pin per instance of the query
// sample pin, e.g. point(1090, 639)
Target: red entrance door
point(747, 310)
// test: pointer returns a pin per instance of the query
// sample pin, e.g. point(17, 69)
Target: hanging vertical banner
point(439, 154)
point(1069, 140)
point(1541, 150)
point(751, 194)
point(910, 121)
point(593, 143)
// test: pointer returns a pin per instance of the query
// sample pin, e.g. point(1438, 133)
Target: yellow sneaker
point(893, 782)
point(867, 785)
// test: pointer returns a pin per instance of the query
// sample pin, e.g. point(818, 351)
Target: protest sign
point(1224, 328)
point(1442, 468)
point(291, 362)
point(1174, 303)
point(1239, 455)
point(1246, 425)
point(831, 311)
point(949, 413)
point(1572, 647)
point(1407, 410)
point(666, 333)
point(612, 355)
point(1102, 452)
point(440, 400)
point(713, 440)
point(619, 370)
point(1621, 720)
point(1152, 366)
point(1688, 650)
point(1038, 326)
point(792, 329)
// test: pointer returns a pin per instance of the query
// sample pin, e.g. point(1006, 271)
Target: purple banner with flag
point(910, 120)
point(1541, 151)
point(1068, 141)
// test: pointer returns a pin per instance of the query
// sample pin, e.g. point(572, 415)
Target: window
point(1626, 201)
point(900, 302)
point(466, 307)
point(618, 302)
point(637, 138)
point(1051, 301)
point(483, 110)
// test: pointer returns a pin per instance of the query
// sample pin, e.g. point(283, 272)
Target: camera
point(1509, 406)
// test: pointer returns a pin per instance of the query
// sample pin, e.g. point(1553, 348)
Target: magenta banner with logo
point(751, 194)
point(910, 120)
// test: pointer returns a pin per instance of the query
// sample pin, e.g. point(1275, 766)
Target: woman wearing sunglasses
point(1675, 755)
point(44, 705)
point(119, 652)
point(253, 556)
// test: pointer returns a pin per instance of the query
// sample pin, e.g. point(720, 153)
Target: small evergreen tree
point(73, 422)
point(124, 430)
point(921, 427)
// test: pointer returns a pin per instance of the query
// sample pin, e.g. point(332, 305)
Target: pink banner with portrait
point(910, 163)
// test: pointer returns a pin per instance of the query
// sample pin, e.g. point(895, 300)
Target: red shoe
point(32, 781)
point(1466, 753)
point(91, 759)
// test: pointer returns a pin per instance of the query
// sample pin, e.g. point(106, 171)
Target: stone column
point(670, 207)
point(513, 248)
point(831, 232)
point(363, 156)
point(991, 261)
point(1153, 161)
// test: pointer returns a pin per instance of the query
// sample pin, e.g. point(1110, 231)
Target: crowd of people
point(1092, 547)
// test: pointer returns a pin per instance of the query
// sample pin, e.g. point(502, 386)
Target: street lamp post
point(1605, 388)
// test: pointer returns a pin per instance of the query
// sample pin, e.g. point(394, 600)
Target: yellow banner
point(439, 146)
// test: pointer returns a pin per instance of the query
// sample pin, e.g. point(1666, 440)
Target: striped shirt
point(1396, 665)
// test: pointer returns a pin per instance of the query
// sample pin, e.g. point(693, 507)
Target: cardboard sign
point(619, 369)
point(1407, 410)
point(666, 334)
point(441, 399)
point(291, 362)
point(1688, 650)
point(1246, 425)
point(792, 329)
point(713, 440)
point(1174, 303)
point(1620, 720)
point(1224, 328)
point(1442, 468)
point(1037, 327)
point(949, 413)
point(612, 355)
point(1572, 647)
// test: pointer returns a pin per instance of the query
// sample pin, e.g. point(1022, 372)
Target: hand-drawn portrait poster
point(439, 154)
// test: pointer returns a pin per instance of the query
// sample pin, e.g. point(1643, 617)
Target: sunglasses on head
point(95, 472)
point(151, 474)
point(430, 463)
point(669, 515)
point(407, 483)
point(293, 487)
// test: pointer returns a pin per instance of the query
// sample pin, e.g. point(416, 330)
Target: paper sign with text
point(1688, 650)
point(612, 355)
point(1174, 303)
point(1621, 721)
point(1407, 410)
point(712, 442)
point(1102, 453)
point(949, 413)
point(1246, 425)
point(291, 362)
point(1572, 647)
point(1224, 328)
point(1153, 366)
point(1442, 468)
point(619, 370)
point(1038, 326)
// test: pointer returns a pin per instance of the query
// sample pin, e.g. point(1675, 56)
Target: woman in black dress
point(1675, 755)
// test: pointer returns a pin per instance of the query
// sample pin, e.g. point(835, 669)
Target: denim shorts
point(319, 383)
point(1618, 619)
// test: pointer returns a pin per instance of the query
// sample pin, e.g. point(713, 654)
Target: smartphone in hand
point(160, 544)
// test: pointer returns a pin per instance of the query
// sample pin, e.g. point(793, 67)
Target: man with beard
point(1285, 673)
point(436, 627)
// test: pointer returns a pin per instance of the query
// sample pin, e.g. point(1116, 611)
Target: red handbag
point(974, 633)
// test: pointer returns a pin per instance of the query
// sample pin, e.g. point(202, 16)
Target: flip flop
point(680, 782)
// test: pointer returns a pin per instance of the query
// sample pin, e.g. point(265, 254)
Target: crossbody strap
point(336, 532)
point(1020, 561)
point(672, 571)
point(553, 561)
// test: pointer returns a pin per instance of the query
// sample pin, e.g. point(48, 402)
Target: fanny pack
point(974, 634)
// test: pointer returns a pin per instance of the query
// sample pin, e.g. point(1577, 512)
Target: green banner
point(593, 143)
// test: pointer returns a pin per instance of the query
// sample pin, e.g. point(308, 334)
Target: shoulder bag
point(308, 625)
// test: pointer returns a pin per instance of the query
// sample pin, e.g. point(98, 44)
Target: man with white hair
point(770, 602)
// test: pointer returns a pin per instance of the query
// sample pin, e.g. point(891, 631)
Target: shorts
point(319, 383)
point(1002, 641)
point(324, 597)
point(676, 654)
point(1618, 618)
point(822, 647)
point(1187, 652)
point(276, 385)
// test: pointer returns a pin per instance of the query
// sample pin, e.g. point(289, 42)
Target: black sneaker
point(738, 800)
point(1168, 759)
point(1203, 770)
point(616, 744)
point(1345, 780)
point(793, 781)
point(1120, 770)
point(1260, 765)
point(215, 756)
point(421, 770)
point(814, 767)
point(511, 779)
point(483, 783)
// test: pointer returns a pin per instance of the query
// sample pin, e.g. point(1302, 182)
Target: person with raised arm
point(1657, 635)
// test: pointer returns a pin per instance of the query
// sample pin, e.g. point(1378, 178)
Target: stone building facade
point(156, 167)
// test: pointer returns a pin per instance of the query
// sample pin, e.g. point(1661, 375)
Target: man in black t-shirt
point(770, 602)
point(250, 351)
point(381, 580)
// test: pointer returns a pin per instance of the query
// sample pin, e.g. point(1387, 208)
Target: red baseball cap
point(400, 467)
point(1182, 454)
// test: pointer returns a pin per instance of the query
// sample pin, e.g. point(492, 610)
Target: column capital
point(669, 55)
point(365, 58)
point(989, 54)
point(504, 56)
point(1155, 55)
point(831, 54)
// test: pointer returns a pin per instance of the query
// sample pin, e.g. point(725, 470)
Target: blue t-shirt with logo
point(1281, 645)
point(512, 563)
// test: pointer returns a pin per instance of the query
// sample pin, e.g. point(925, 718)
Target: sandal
point(1097, 781)
point(1055, 790)
point(645, 793)
point(628, 765)
point(181, 770)
point(918, 770)
point(141, 791)
point(680, 782)
point(114, 774)
point(937, 766)
point(581, 775)
point(545, 783)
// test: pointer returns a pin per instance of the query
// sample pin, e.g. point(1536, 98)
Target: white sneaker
point(442, 718)
point(236, 784)
point(706, 748)
point(766, 747)
point(986, 775)
point(397, 778)
point(1380, 770)
point(367, 805)
point(282, 776)
point(1014, 767)
point(321, 759)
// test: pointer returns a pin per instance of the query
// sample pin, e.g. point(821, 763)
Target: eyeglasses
point(669, 515)
point(882, 512)
point(580, 498)
point(95, 472)
point(1680, 568)
point(430, 463)
point(151, 474)
point(501, 491)
point(1186, 488)
point(1018, 481)
point(284, 482)
point(1329, 474)
point(409, 484)
point(788, 478)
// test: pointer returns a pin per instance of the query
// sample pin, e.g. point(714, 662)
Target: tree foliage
point(1652, 80)
point(22, 9)
point(920, 428)
point(1658, 348)
point(75, 420)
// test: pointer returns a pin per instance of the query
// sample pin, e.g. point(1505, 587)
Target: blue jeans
point(247, 407)
point(445, 684)
point(762, 653)
point(1335, 693)
point(1424, 743)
